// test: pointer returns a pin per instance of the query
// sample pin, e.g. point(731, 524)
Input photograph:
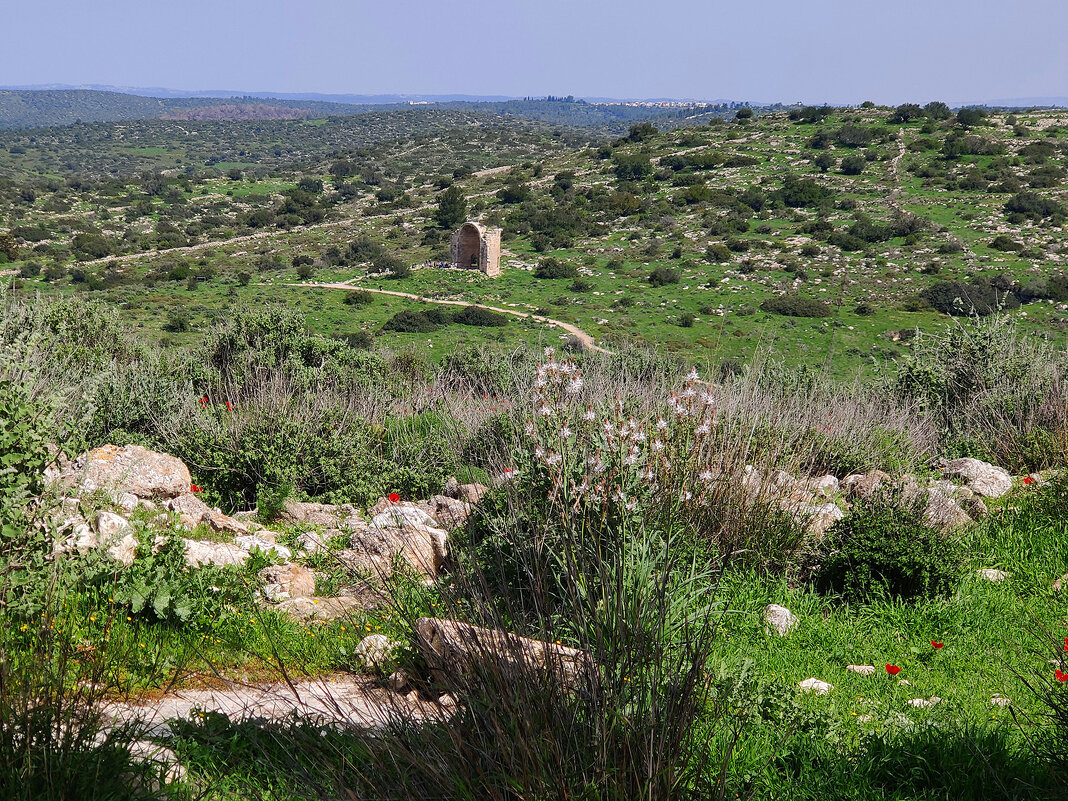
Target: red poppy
point(893, 670)
point(1066, 643)
point(1028, 480)
point(195, 488)
point(393, 497)
point(229, 408)
point(1060, 676)
point(203, 400)
point(936, 645)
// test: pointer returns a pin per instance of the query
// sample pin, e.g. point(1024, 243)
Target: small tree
point(452, 207)
point(854, 164)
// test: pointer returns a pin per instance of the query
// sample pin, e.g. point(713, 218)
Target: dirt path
point(895, 169)
point(585, 339)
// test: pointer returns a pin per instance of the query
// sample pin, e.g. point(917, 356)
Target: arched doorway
point(469, 246)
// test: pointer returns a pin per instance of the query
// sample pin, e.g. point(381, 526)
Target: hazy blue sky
point(761, 50)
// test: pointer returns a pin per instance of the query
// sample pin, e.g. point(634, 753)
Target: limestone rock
point(192, 512)
point(821, 517)
point(815, 686)
point(249, 542)
point(321, 515)
point(110, 525)
point(374, 650)
point(471, 493)
point(399, 680)
point(981, 477)
point(1000, 700)
point(130, 469)
point(311, 608)
point(864, 485)
point(974, 507)
point(375, 549)
point(779, 618)
point(450, 512)
point(110, 531)
point(289, 580)
point(403, 514)
point(221, 554)
point(995, 576)
point(924, 703)
point(862, 670)
point(944, 513)
point(455, 651)
point(1061, 583)
point(314, 542)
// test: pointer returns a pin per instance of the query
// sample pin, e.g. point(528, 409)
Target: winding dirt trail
point(585, 339)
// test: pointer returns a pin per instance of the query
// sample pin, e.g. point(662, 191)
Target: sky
point(814, 51)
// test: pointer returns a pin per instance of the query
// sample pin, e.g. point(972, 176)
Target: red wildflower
point(204, 400)
point(893, 670)
point(1060, 676)
point(229, 408)
point(393, 497)
point(1028, 480)
point(195, 488)
point(936, 644)
point(1066, 643)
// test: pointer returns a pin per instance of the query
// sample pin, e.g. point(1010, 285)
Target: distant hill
point(39, 108)
point(22, 108)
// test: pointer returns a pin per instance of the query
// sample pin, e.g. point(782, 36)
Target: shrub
point(883, 548)
point(410, 322)
point(964, 300)
point(358, 297)
point(853, 164)
point(1033, 206)
point(23, 451)
point(475, 315)
point(793, 305)
point(554, 268)
point(662, 276)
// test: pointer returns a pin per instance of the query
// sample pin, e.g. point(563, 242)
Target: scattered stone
point(309, 608)
point(193, 512)
point(127, 501)
point(989, 574)
point(313, 541)
point(815, 686)
point(1000, 700)
point(904, 682)
point(399, 681)
point(454, 650)
point(220, 554)
point(779, 618)
point(1061, 583)
point(110, 525)
point(982, 477)
point(131, 469)
point(924, 703)
point(290, 580)
point(249, 542)
point(863, 670)
point(374, 650)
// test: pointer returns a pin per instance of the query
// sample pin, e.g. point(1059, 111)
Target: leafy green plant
point(883, 548)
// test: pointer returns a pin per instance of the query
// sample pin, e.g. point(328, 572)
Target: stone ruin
point(475, 247)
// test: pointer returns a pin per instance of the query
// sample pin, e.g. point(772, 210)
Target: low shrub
point(793, 305)
point(662, 276)
point(477, 316)
point(883, 548)
point(554, 268)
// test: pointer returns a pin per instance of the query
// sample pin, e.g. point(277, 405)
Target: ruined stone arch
point(475, 247)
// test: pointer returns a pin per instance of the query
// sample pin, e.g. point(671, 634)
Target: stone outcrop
point(780, 619)
point(321, 515)
point(130, 469)
point(193, 512)
point(285, 581)
point(981, 477)
point(375, 549)
point(456, 652)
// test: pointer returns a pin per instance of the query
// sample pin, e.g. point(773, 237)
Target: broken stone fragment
point(814, 685)
point(780, 619)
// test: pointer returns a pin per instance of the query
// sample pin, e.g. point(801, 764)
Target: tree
point(744, 113)
point(452, 207)
point(823, 161)
point(906, 112)
point(937, 110)
point(854, 164)
point(969, 117)
point(9, 249)
point(641, 131)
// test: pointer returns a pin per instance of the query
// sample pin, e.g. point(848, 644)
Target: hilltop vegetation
point(823, 236)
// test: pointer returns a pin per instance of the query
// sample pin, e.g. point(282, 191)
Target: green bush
point(554, 268)
point(358, 297)
point(884, 548)
point(662, 276)
point(964, 300)
point(796, 306)
point(410, 322)
point(23, 452)
point(474, 315)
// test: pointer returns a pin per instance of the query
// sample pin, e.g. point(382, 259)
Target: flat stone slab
point(339, 700)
